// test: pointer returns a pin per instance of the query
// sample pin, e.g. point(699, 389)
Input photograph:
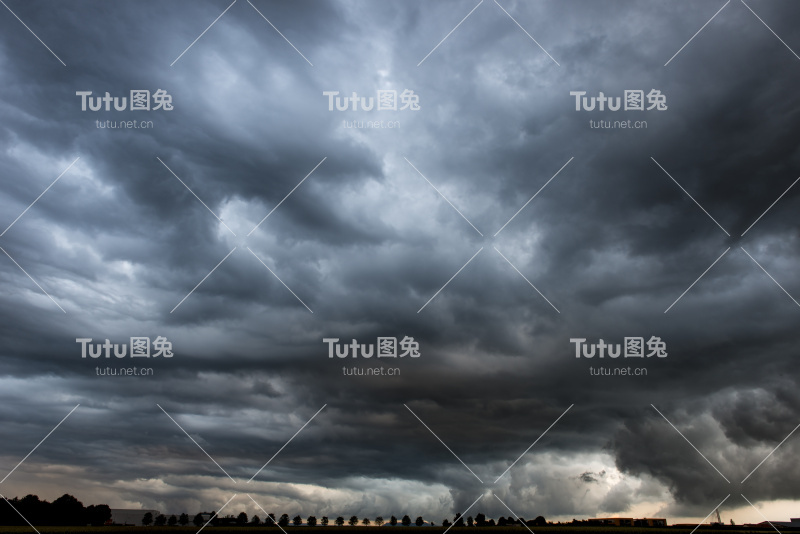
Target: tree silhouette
point(406, 520)
point(311, 521)
point(283, 521)
point(160, 521)
point(480, 520)
point(445, 523)
point(173, 520)
point(198, 520)
point(379, 521)
point(98, 515)
point(297, 521)
point(366, 522)
point(29, 506)
point(540, 521)
point(64, 511)
point(270, 521)
point(419, 522)
point(255, 520)
point(183, 520)
point(353, 521)
point(470, 521)
point(68, 510)
point(458, 520)
point(393, 521)
point(324, 521)
point(147, 520)
point(339, 521)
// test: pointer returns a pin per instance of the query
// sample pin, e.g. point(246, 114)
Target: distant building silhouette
point(794, 522)
point(628, 521)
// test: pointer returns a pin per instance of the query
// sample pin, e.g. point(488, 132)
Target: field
point(565, 529)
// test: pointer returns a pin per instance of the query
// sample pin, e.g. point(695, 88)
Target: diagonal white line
point(770, 454)
point(444, 197)
point(698, 31)
point(202, 34)
point(445, 445)
point(529, 35)
point(690, 196)
point(267, 516)
point(37, 37)
point(529, 282)
point(534, 443)
point(773, 33)
point(451, 279)
point(759, 513)
point(198, 445)
point(709, 514)
point(195, 196)
point(288, 442)
point(763, 269)
point(534, 196)
point(279, 33)
point(287, 196)
point(216, 514)
point(40, 196)
point(18, 513)
point(203, 280)
point(698, 279)
point(448, 35)
point(464, 512)
point(695, 448)
point(37, 446)
point(279, 280)
point(32, 280)
point(512, 513)
point(770, 206)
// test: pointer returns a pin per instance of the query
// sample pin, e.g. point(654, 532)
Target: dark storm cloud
point(365, 242)
point(720, 433)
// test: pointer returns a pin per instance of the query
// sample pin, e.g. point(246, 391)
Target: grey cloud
point(365, 242)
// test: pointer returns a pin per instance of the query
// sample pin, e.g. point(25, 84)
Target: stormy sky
point(557, 230)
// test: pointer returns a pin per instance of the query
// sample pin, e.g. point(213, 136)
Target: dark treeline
point(284, 521)
point(69, 511)
point(64, 511)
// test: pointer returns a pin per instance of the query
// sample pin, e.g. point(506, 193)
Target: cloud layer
point(387, 218)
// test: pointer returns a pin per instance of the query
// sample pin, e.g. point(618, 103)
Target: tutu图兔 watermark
point(633, 101)
point(139, 347)
point(138, 100)
point(386, 99)
point(387, 347)
point(384, 347)
point(634, 347)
